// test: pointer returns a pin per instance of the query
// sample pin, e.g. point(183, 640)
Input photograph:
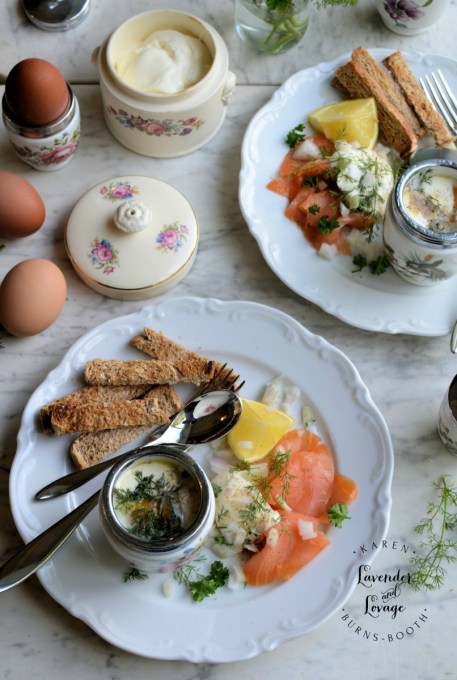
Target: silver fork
point(441, 96)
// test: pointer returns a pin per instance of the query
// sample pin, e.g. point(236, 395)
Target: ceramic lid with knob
point(132, 237)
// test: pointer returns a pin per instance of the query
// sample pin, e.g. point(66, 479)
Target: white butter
point(167, 62)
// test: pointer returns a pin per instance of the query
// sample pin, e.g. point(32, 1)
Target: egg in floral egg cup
point(132, 238)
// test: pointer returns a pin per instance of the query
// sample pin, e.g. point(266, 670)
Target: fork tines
point(441, 96)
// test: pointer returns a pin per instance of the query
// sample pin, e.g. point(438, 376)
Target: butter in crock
point(166, 62)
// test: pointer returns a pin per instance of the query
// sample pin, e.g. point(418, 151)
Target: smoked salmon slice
point(283, 558)
point(309, 185)
point(344, 490)
point(305, 481)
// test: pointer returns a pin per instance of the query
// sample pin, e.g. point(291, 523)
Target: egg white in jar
point(430, 198)
point(166, 62)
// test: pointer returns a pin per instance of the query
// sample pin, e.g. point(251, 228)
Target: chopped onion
point(219, 465)
point(272, 392)
point(327, 251)
point(168, 587)
point(224, 551)
point(344, 210)
point(272, 537)
point(282, 503)
point(307, 149)
point(306, 529)
point(236, 577)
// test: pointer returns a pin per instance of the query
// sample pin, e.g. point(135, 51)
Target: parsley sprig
point(201, 586)
point(438, 547)
point(337, 513)
point(296, 135)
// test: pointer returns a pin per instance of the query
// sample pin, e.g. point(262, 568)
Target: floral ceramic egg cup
point(410, 17)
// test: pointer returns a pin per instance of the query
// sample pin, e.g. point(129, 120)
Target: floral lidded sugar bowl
point(132, 237)
point(420, 223)
point(157, 509)
point(165, 83)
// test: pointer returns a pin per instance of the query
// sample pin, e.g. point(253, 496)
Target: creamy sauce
point(364, 177)
point(166, 62)
point(430, 198)
point(155, 499)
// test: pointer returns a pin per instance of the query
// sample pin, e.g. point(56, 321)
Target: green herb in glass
point(276, 25)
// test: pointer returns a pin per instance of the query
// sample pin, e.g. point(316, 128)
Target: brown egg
point(36, 93)
point(22, 211)
point(32, 295)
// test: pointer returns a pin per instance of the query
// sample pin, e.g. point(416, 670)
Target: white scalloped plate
point(85, 576)
point(377, 303)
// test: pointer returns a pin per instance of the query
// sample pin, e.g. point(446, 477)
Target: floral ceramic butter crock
point(157, 509)
point(163, 124)
point(420, 224)
point(132, 237)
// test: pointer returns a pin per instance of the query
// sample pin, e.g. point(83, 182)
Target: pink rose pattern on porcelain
point(172, 237)
point(103, 255)
point(119, 191)
point(156, 127)
point(58, 152)
point(402, 11)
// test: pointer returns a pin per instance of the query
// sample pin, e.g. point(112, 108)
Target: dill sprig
point(152, 506)
point(439, 549)
point(134, 574)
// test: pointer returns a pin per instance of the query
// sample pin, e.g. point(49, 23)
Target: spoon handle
point(36, 553)
point(73, 480)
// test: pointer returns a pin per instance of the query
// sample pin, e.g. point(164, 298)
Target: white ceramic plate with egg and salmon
point(86, 577)
point(383, 303)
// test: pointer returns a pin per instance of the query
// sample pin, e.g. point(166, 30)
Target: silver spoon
point(194, 424)
point(193, 418)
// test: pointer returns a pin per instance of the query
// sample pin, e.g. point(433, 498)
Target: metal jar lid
point(132, 237)
point(56, 15)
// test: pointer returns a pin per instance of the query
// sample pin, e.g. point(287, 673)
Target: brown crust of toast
point(390, 89)
point(92, 447)
point(152, 371)
point(90, 394)
point(153, 409)
point(394, 128)
point(91, 417)
point(431, 120)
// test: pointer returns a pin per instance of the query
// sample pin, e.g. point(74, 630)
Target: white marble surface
point(332, 32)
point(407, 376)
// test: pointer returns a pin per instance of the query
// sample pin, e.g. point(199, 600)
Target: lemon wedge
point(354, 120)
point(258, 429)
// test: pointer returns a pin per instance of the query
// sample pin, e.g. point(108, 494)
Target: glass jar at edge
point(271, 30)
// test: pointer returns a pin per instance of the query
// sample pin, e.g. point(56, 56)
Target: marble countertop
point(407, 376)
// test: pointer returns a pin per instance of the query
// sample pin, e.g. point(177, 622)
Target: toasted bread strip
point(92, 447)
point(99, 415)
point(390, 89)
point(91, 394)
point(431, 120)
point(152, 371)
point(363, 77)
point(158, 346)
